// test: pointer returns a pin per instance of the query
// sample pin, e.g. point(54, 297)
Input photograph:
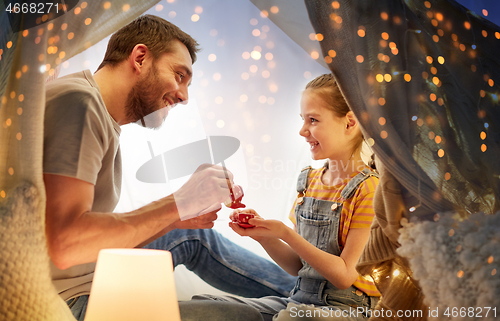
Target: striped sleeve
point(363, 213)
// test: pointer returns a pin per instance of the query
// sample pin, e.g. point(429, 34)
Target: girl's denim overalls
point(318, 222)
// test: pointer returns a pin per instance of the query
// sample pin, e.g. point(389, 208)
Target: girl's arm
point(339, 270)
point(282, 254)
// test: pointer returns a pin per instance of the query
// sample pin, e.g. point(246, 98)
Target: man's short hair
point(154, 32)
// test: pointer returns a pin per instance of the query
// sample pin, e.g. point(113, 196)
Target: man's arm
point(75, 234)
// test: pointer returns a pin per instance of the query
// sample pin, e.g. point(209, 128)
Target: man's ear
point(138, 56)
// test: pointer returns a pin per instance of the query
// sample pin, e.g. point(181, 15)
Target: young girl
point(333, 213)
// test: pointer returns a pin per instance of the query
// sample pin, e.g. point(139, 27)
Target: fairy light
point(255, 55)
point(220, 123)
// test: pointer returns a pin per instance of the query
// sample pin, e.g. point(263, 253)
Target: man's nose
point(182, 95)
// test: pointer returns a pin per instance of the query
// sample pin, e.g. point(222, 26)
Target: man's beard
point(143, 103)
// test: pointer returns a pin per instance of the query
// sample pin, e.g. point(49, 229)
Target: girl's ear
point(351, 121)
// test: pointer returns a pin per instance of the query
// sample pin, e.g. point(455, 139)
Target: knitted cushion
point(26, 291)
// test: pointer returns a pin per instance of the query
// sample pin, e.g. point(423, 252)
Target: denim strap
point(303, 178)
point(353, 184)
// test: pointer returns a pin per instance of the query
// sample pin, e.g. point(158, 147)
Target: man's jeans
point(219, 262)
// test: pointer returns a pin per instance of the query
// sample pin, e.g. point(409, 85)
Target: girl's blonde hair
point(326, 87)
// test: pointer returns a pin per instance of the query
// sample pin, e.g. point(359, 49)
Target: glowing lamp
point(133, 285)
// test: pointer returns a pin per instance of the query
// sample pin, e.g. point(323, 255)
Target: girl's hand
point(234, 215)
point(263, 228)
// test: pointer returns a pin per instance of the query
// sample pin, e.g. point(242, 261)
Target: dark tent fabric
point(423, 77)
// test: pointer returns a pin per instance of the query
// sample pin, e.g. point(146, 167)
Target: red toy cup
point(243, 220)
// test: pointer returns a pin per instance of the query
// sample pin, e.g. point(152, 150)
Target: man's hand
point(203, 193)
point(204, 221)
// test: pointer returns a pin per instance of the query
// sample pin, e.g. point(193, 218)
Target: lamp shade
point(133, 285)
